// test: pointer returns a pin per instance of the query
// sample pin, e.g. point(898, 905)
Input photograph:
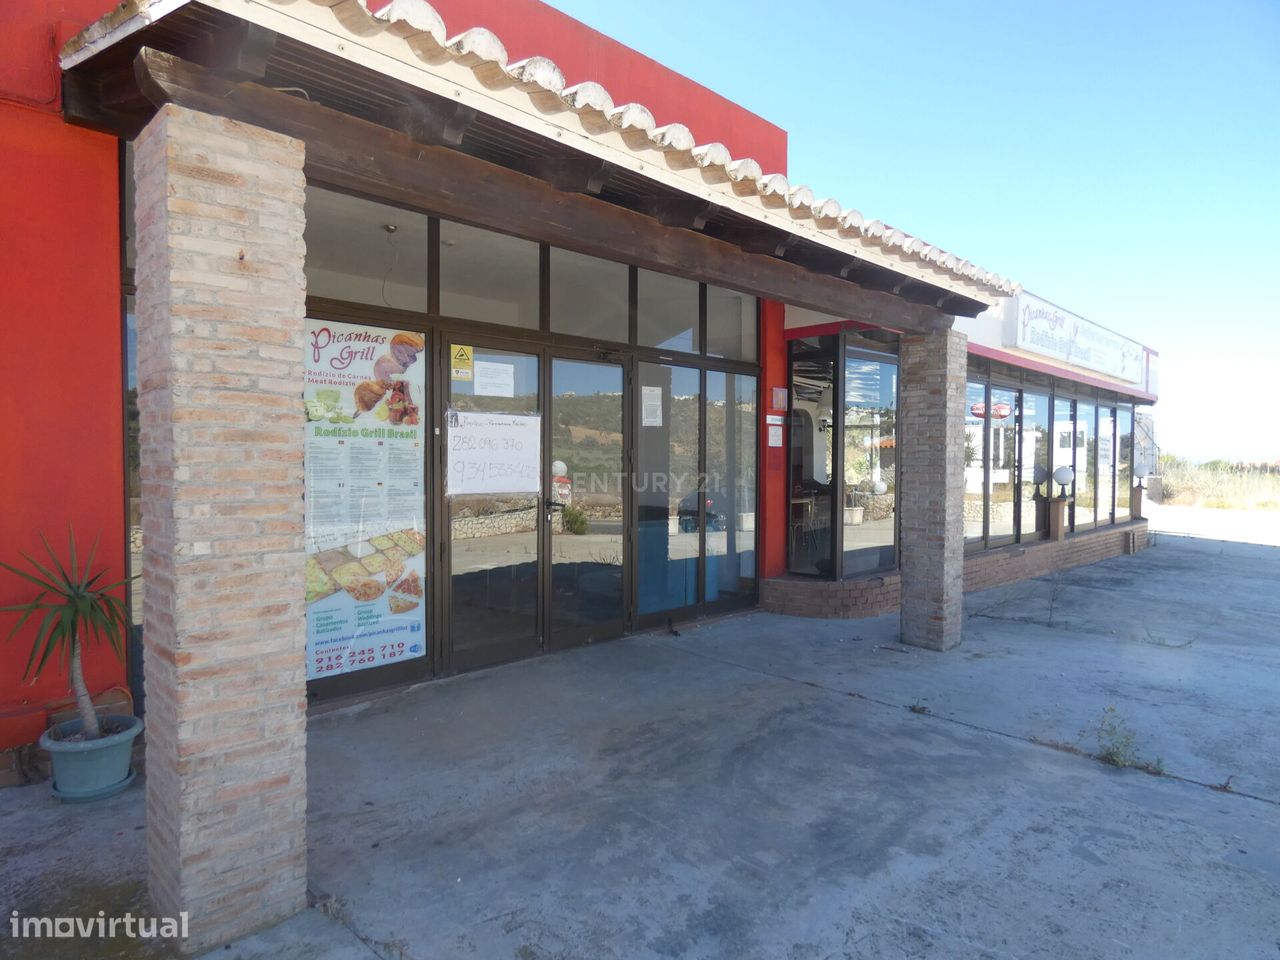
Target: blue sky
point(1119, 159)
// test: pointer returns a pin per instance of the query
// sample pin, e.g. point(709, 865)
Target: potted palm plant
point(90, 753)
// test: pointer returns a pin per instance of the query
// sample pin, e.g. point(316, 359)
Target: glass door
point(493, 469)
point(586, 505)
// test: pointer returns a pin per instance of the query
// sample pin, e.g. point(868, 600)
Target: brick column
point(931, 479)
point(220, 306)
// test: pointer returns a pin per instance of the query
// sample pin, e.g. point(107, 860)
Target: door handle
point(552, 506)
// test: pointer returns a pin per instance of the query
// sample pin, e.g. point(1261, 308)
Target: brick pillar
point(220, 306)
point(931, 478)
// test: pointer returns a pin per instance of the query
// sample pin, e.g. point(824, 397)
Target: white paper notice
point(493, 452)
point(1104, 451)
point(651, 406)
point(494, 379)
point(775, 435)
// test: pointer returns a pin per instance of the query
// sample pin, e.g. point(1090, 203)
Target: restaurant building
point(407, 339)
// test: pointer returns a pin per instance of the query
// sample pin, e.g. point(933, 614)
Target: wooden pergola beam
point(360, 156)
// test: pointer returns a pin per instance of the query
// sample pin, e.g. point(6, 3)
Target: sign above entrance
point(461, 362)
point(493, 453)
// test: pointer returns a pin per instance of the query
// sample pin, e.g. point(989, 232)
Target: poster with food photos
point(363, 390)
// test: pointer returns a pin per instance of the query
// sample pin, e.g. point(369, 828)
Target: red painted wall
point(62, 436)
point(530, 28)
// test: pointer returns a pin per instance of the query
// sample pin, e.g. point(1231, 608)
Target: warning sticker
point(460, 362)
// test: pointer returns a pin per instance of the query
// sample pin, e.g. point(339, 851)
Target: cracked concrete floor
point(759, 787)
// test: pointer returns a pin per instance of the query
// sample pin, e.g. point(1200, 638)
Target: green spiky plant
point(74, 607)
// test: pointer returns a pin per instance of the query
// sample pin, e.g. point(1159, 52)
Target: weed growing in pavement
point(1115, 739)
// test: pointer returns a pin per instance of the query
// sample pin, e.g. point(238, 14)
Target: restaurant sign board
point(1042, 328)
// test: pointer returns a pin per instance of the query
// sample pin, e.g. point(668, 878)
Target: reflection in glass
point(1034, 479)
point(353, 255)
point(666, 312)
point(1064, 443)
point(810, 545)
point(589, 296)
point(730, 497)
point(870, 464)
point(1106, 464)
point(1124, 462)
point(666, 487)
point(731, 324)
point(494, 537)
point(488, 276)
point(1003, 416)
point(975, 438)
point(1086, 467)
point(586, 459)
point(133, 459)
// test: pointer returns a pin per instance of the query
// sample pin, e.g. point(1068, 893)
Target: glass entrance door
point(494, 503)
point(586, 505)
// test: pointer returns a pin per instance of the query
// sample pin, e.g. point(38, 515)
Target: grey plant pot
point(87, 770)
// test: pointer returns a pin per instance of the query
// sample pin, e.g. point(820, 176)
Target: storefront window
point(1106, 464)
point(488, 276)
point(731, 324)
point(1124, 462)
point(133, 459)
point(363, 251)
point(1034, 474)
point(589, 296)
point(870, 463)
point(1064, 445)
point(731, 486)
point(1002, 471)
point(812, 486)
point(666, 312)
point(667, 487)
point(1086, 512)
point(975, 446)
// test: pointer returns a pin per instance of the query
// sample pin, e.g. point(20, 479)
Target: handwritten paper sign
point(493, 453)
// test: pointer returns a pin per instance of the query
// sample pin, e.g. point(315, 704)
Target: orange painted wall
point(62, 434)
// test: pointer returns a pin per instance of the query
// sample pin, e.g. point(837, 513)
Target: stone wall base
point(876, 595)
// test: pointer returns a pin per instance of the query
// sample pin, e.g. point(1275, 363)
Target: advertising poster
point(365, 497)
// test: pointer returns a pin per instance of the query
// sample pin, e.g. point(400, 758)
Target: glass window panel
point(1003, 418)
point(1106, 464)
point(351, 255)
point(870, 463)
point(667, 488)
point(1086, 505)
point(494, 537)
point(589, 296)
point(667, 312)
point(810, 543)
point(488, 276)
point(1124, 462)
point(587, 471)
point(975, 438)
point(731, 324)
point(1034, 483)
point(1064, 444)
point(731, 486)
point(133, 458)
